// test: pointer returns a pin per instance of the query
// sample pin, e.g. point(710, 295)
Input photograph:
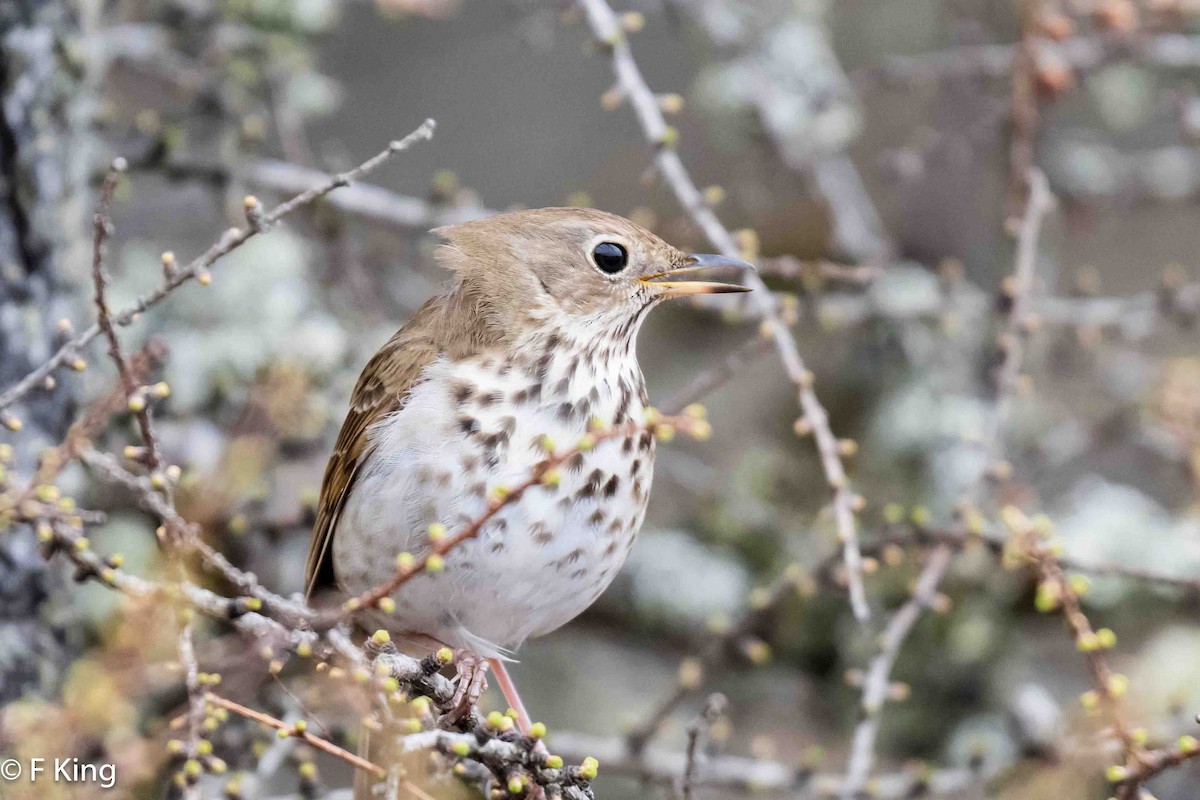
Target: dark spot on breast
point(563, 385)
point(575, 462)
point(635, 467)
point(462, 391)
point(622, 414)
point(597, 518)
point(488, 398)
point(627, 445)
point(468, 425)
point(541, 533)
point(646, 442)
point(542, 369)
point(592, 485)
point(610, 488)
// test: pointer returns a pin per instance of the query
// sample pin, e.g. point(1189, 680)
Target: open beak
point(696, 263)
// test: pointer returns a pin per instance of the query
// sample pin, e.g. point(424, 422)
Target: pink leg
point(509, 688)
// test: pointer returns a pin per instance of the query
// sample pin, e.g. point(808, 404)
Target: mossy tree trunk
point(43, 174)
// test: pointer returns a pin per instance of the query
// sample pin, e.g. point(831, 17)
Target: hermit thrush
point(535, 341)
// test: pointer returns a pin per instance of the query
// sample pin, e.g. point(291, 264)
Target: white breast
point(469, 427)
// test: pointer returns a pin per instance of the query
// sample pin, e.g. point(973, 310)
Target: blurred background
point(864, 150)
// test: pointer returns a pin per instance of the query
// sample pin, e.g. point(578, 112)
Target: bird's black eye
point(610, 257)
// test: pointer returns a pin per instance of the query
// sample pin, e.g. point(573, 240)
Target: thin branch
point(227, 243)
point(195, 713)
point(900, 624)
point(102, 225)
point(607, 30)
point(697, 732)
point(299, 732)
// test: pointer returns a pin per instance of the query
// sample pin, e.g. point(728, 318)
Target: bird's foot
point(472, 680)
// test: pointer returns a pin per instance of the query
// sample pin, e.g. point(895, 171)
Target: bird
point(532, 342)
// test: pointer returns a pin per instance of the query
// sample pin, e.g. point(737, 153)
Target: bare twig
point(195, 712)
point(228, 242)
point(606, 29)
point(102, 224)
point(900, 624)
point(298, 731)
point(697, 731)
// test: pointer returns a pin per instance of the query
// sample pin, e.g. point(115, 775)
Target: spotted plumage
point(533, 343)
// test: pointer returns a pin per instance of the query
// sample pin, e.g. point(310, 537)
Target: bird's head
point(580, 265)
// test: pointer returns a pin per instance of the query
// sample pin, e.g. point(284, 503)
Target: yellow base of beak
point(683, 288)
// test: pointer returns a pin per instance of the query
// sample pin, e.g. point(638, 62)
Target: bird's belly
point(541, 560)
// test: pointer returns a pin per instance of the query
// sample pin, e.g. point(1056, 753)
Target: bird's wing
point(383, 388)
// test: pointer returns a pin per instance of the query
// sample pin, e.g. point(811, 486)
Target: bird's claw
point(472, 681)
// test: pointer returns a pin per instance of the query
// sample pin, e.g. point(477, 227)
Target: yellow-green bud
point(589, 768)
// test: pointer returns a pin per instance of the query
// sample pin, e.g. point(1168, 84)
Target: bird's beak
point(696, 263)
